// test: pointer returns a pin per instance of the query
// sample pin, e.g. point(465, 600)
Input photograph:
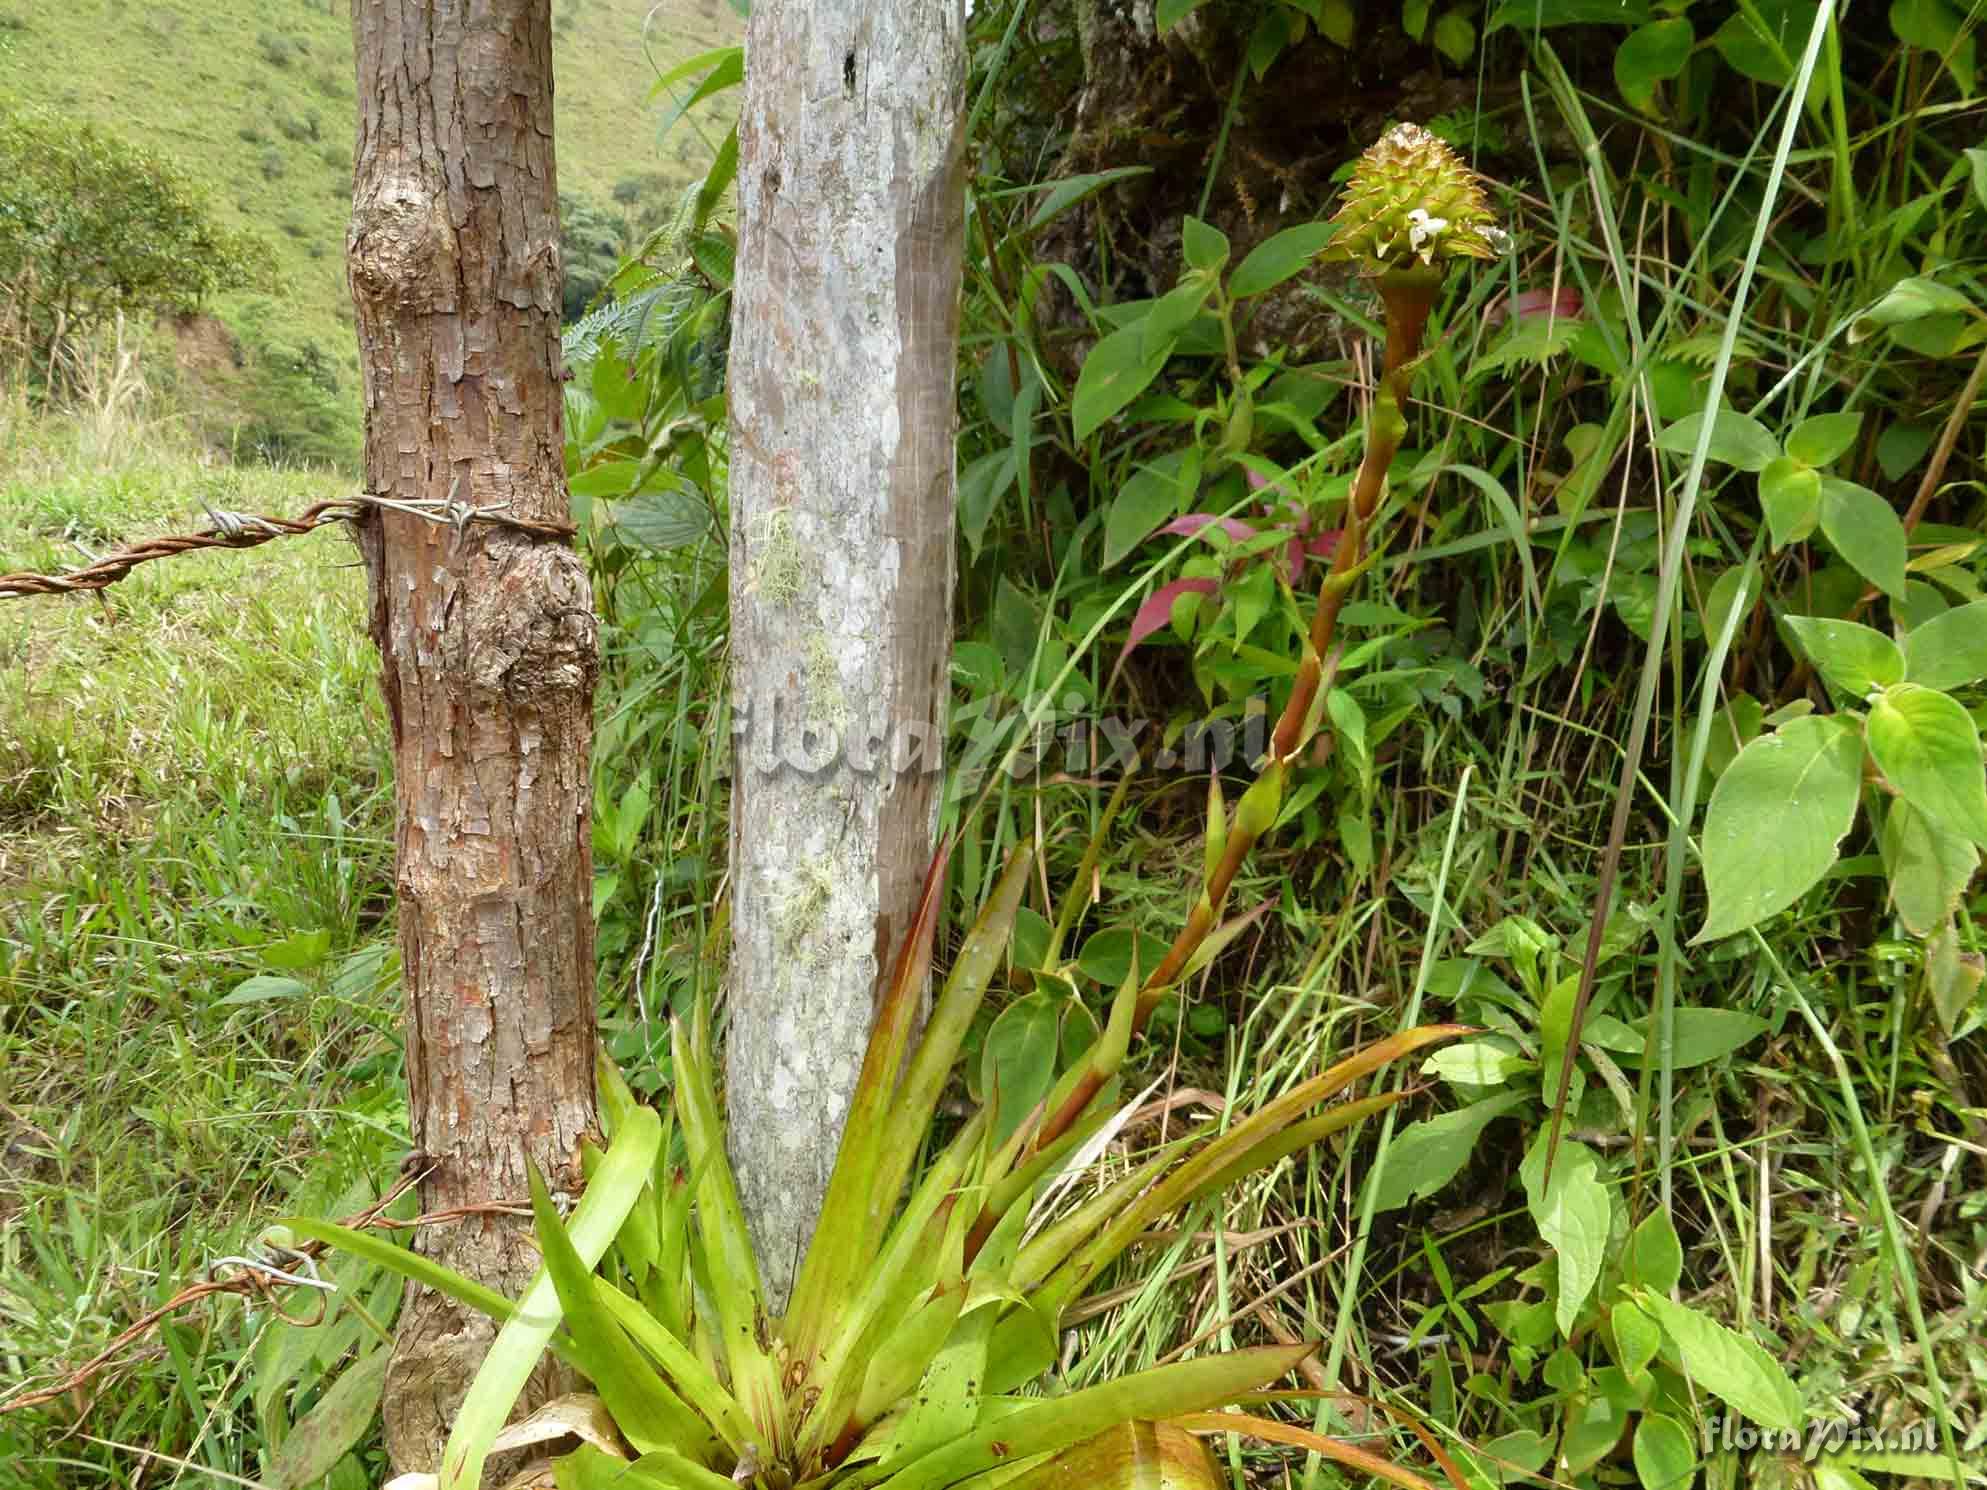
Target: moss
point(827, 704)
point(779, 564)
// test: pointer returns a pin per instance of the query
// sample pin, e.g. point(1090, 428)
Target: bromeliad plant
point(931, 1296)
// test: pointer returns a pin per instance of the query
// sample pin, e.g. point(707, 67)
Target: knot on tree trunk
point(530, 630)
point(402, 249)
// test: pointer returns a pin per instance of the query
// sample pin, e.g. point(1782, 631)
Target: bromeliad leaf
point(1053, 1423)
point(1777, 820)
point(616, 1186)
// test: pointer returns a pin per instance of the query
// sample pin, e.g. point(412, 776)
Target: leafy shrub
point(290, 405)
point(590, 241)
point(277, 50)
point(91, 225)
point(273, 164)
point(296, 126)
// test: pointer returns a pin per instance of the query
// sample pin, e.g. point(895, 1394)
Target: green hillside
point(255, 98)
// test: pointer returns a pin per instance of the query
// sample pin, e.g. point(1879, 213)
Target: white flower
point(1423, 230)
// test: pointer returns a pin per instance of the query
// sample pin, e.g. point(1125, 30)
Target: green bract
point(1412, 199)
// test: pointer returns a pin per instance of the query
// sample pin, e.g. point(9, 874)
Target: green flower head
point(1411, 199)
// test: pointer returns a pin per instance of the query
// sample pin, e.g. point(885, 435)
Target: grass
point(255, 98)
point(193, 791)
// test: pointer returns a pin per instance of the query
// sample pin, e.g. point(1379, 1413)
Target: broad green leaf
point(1637, 1338)
point(1455, 35)
point(1928, 867)
point(263, 987)
point(1204, 245)
point(300, 952)
point(1855, 658)
point(1018, 1060)
point(1777, 819)
point(1425, 1156)
point(1910, 300)
point(1476, 1063)
point(1652, 54)
point(1065, 194)
point(981, 486)
point(1173, 312)
point(1665, 1453)
point(1655, 1256)
point(1824, 438)
point(1338, 22)
point(1528, 14)
point(1278, 257)
point(1761, 41)
point(611, 478)
point(1731, 1366)
point(1705, 1035)
point(1117, 371)
point(1865, 531)
point(1594, 1423)
point(1572, 1214)
point(1150, 496)
point(1107, 954)
point(1736, 587)
point(1556, 1023)
point(1950, 650)
point(1925, 742)
point(621, 1181)
point(1952, 977)
point(1171, 12)
point(1901, 447)
point(1736, 440)
point(1941, 30)
point(1790, 496)
point(333, 1428)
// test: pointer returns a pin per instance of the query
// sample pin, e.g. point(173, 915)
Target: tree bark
point(487, 644)
point(851, 211)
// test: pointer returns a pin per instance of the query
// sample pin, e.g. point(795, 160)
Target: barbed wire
point(248, 530)
point(259, 1281)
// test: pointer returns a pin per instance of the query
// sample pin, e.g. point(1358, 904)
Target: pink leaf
point(1562, 305)
point(1197, 522)
point(1157, 612)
